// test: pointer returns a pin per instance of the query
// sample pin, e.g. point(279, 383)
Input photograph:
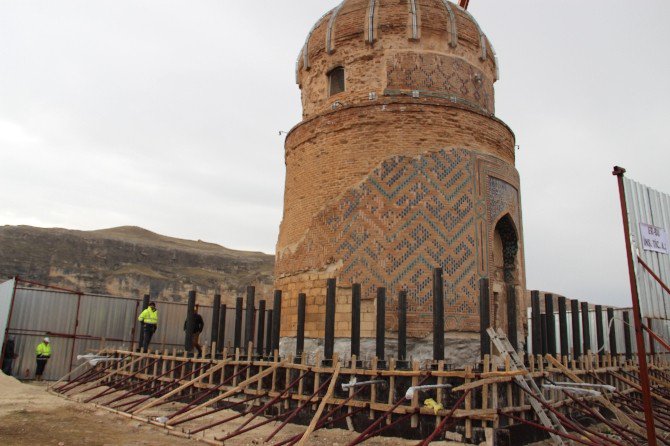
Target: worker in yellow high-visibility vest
point(43, 352)
point(149, 320)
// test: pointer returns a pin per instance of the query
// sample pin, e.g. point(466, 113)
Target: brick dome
point(378, 43)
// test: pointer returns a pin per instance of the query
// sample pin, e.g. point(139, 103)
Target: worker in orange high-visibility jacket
point(149, 320)
point(43, 352)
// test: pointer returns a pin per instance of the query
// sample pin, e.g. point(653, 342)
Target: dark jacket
point(198, 323)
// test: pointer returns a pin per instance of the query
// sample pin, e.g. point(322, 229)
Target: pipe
point(410, 392)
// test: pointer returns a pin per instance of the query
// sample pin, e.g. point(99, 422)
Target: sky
point(166, 114)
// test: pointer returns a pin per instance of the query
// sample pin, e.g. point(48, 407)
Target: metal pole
point(221, 336)
point(238, 322)
point(402, 326)
point(145, 305)
point(249, 317)
point(276, 320)
point(260, 336)
point(628, 343)
point(600, 335)
point(563, 325)
point(381, 323)
point(576, 334)
point(74, 335)
point(612, 332)
point(637, 317)
point(329, 345)
point(551, 324)
point(190, 310)
point(300, 331)
point(268, 333)
point(586, 328)
point(214, 334)
point(438, 315)
point(536, 321)
point(356, 320)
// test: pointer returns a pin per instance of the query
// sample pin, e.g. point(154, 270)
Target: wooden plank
point(621, 416)
point(226, 394)
point(179, 389)
point(322, 406)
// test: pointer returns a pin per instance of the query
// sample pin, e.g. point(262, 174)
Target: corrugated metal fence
point(77, 324)
point(647, 206)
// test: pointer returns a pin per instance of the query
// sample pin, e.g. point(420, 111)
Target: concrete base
point(461, 349)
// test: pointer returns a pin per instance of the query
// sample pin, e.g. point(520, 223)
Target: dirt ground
point(30, 416)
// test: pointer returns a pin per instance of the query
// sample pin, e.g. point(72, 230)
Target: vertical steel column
point(536, 321)
point(627, 341)
point(276, 320)
point(551, 324)
point(76, 326)
point(238, 322)
point(600, 330)
point(438, 315)
point(300, 331)
point(381, 323)
point(221, 337)
point(268, 333)
point(329, 344)
point(586, 328)
point(612, 331)
point(145, 305)
point(484, 317)
point(249, 316)
point(576, 333)
point(402, 326)
point(190, 310)
point(563, 326)
point(260, 332)
point(637, 316)
point(214, 333)
point(545, 343)
point(512, 330)
point(356, 319)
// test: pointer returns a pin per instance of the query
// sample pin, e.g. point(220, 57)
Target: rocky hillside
point(131, 261)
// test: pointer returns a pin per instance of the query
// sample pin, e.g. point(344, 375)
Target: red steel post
point(639, 336)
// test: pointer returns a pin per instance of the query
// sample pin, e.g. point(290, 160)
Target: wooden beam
point(227, 394)
point(322, 406)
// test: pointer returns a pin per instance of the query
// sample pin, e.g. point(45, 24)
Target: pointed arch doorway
point(505, 277)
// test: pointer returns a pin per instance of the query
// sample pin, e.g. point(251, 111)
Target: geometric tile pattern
point(439, 74)
point(408, 216)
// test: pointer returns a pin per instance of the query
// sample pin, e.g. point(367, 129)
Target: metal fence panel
point(6, 293)
point(78, 323)
point(648, 206)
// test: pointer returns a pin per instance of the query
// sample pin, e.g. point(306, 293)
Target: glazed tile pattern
point(439, 75)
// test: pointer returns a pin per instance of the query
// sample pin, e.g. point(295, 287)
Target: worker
point(198, 325)
point(149, 320)
point(43, 352)
point(9, 356)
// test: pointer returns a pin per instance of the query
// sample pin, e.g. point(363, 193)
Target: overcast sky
point(165, 114)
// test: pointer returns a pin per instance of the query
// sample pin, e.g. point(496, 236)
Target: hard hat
point(46, 340)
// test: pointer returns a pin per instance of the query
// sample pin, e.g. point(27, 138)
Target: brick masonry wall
point(406, 217)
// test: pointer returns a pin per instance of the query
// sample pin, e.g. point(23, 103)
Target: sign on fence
point(653, 238)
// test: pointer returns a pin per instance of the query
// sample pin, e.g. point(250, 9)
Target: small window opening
point(335, 81)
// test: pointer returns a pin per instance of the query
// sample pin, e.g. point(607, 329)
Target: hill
point(131, 261)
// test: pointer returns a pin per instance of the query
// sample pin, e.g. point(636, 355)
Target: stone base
point(461, 349)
